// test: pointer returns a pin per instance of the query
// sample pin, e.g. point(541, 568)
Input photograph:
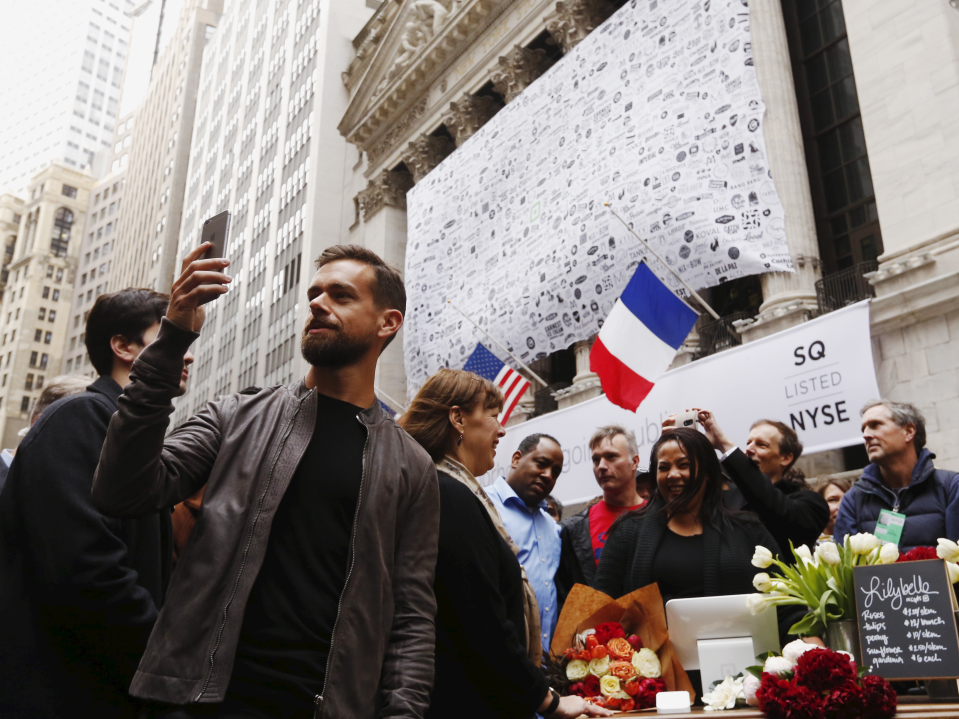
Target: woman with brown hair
point(832, 489)
point(487, 623)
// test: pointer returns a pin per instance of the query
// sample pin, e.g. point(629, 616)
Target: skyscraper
point(62, 72)
point(266, 147)
point(159, 155)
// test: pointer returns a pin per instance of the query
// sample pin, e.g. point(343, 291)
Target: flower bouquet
point(616, 652)
point(823, 581)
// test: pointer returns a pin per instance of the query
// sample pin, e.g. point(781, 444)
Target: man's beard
point(335, 351)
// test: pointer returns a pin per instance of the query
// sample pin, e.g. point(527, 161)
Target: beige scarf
point(534, 644)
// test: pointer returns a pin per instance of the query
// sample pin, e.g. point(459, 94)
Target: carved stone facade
point(517, 70)
point(575, 19)
point(396, 133)
point(386, 189)
point(468, 115)
point(425, 153)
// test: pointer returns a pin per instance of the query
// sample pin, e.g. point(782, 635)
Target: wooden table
point(909, 708)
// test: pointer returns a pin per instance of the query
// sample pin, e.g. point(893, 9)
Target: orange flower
point(619, 648)
point(623, 670)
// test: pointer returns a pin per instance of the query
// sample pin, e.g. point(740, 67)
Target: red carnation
point(823, 670)
point(577, 690)
point(646, 694)
point(918, 554)
point(844, 702)
point(878, 698)
point(609, 630)
point(782, 699)
point(591, 686)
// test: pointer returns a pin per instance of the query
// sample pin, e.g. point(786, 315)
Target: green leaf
point(809, 625)
point(756, 671)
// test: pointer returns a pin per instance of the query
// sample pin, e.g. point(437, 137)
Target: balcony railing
point(845, 287)
point(718, 335)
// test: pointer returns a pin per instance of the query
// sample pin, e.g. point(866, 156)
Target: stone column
point(573, 20)
point(586, 382)
point(425, 153)
point(388, 189)
point(517, 70)
point(469, 115)
point(787, 298)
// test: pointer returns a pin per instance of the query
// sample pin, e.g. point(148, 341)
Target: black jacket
point(576, 562)
point(482, 669)
point(78, 591)
point(627, 560)
point(789, 510)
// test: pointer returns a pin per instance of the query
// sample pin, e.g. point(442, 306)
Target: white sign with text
point(814, 377)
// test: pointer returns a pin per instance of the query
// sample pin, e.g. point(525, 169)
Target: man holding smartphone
point(306, 584)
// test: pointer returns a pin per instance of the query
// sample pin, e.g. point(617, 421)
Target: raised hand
point(200, 281)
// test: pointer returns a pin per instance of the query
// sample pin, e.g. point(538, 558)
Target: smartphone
point(215, 231)
point(687, 419)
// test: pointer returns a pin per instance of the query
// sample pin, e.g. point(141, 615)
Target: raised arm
point(139, 471)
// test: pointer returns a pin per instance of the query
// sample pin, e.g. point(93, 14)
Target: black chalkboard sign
point(907, 628)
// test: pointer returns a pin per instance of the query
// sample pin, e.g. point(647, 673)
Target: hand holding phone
point(216, 230)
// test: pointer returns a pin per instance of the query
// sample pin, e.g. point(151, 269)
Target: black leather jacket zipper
point(249, 543)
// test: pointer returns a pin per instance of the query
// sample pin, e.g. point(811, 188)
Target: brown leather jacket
point(245, 449)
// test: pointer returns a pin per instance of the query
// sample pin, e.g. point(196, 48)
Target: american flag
point(486, 364)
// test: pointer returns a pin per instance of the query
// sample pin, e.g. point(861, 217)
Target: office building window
point(37, 335)
point(47, 337)
point(28, 384)
point(44, 358)
point(62, 223)
point(69, 191)
point(25, 404)
point(847, 223)
point(46, 292)
point(33, 359)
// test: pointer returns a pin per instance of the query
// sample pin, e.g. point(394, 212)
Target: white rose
point(863, 543)
point(725, 694)
point(829, 553)
point(953, 572)
point(609, 685)
point(756, 603)
point(762, 582)
point(646, 663)
point(762, 558)
point(599, 667)
point(888, 554)
point(750, 687)
point(576, 670)
point(777, 666)
point(948, 550)
point(796, 649)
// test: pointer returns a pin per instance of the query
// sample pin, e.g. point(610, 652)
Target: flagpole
point(392, 401)
point(665, 264)
point(516, 359)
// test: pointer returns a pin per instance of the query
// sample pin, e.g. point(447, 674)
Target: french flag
point(639, 339)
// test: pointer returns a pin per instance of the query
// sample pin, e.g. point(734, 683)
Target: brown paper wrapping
point(641, 613)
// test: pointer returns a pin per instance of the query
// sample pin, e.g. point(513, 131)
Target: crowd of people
point(294, 551)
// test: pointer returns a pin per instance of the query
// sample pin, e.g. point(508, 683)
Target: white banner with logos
point(815, 377)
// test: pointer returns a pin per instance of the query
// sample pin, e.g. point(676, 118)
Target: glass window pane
point(844, 262)
point(834, 187)
point(859, 180)
point(857, 217)
point(839, 61)
point(871, 210)
point(838, 225)
point(822, 114)
point(853, 140)
point(830, 156)
point(869, 248)
point(844, 98)
point(805, 8)
point(832, 23)
point(816, 75)
point(842, 246)
point(811, 38)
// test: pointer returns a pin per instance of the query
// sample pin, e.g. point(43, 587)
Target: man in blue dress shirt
point(521, 501)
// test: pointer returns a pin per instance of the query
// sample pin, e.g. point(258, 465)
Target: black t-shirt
point(281, 656)
point(678, 566)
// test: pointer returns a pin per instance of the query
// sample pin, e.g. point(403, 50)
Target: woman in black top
point(485, 650)
point(686, 540)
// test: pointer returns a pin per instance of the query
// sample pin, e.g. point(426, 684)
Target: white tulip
point(796, 649)
point(948, 550)
point(780, 588)
point(829, 553)
point(863, 543)
point(756, 603)
point(762, 582)
point(762, 558)
point(802, 551)
point(953, 571)
point(777, 666)
point(888, 554)
point(750, 687)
